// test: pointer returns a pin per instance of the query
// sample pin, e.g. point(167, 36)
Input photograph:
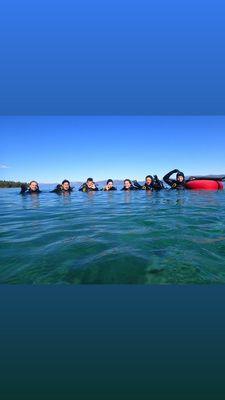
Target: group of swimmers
point(151, 183)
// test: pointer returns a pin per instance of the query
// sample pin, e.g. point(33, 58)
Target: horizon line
point(105, 179)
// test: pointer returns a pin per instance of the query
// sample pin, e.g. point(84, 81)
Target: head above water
point(109, 183)
point(149, 179)
point(33, 186)
point(66, 185)
point(180, 176)
point(127, 183)
point(90, 183)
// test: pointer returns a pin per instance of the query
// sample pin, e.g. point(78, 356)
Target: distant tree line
point(10, 184)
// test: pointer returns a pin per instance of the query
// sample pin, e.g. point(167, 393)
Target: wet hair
point(65, 181)
point(89, 179)
point(109, 180)
point(127, 180)
point(34, 182)
point(149, 176)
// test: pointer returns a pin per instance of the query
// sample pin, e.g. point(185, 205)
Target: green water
point(168, 237)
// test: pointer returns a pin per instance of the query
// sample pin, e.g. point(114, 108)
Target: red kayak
point(204, 184)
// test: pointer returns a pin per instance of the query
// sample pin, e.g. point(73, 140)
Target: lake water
point(169, 237)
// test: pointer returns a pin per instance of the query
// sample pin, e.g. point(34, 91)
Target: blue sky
point(50, 149)
point(112, 57)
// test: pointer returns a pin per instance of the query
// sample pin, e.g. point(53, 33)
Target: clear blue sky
point(112, 57)
point(50, 149)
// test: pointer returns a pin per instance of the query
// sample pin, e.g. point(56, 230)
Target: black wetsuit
point(112, 188)
point(60, 190)
point(130, 188)
point(30, 191)
point(155, 185)
point(85, 188)
point(25, 190)
point(174, 183)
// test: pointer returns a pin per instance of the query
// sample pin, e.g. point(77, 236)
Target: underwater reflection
point(32, 199)
point(66, 198)
point(127, 197)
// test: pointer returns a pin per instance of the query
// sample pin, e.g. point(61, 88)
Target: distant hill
point(210, 175)
point(10, 184)
point(117, 182)
point(77, 184)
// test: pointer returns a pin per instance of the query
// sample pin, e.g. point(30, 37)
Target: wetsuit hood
point(152, 182)
point(180, 174)
point(33, 191)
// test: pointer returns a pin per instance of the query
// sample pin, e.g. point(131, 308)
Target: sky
point(50, 149)
point(112, 57)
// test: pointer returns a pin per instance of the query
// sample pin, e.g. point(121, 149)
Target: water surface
point(117, 237)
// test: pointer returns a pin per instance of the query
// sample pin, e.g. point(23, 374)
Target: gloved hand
point(23, 187)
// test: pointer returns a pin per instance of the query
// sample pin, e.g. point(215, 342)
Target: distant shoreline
point(17, 184)
point(10, 184)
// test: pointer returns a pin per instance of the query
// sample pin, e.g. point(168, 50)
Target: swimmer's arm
point(167, 179)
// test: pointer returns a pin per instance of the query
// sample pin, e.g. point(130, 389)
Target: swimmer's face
point(66, 186)
point(110, 185)
point(127, 184)
point(90, 184)
point(180, 178)
point(33, 186)
point(148, 181)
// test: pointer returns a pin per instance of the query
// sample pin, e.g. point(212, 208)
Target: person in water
point(150, 183)
point(65, 187)
point(127, 185)
point(178, 183)
point(109, 186)
point(32, 188)
point(88, 186)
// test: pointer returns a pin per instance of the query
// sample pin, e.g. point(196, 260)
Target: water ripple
point(147, 238)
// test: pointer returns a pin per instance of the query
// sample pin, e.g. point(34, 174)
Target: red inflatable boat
point(204, 184)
